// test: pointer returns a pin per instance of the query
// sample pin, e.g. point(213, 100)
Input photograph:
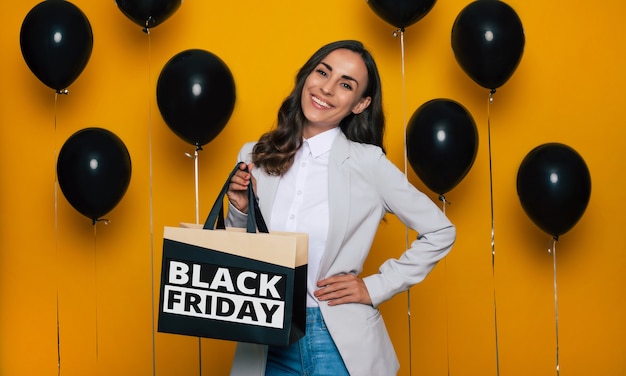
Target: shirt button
point(292, 216)
point(299, 193)
point(303, 164)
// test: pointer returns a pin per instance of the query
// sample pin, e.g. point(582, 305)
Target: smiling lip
point(320, 102)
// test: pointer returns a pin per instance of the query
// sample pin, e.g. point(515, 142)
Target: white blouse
point(301, 203)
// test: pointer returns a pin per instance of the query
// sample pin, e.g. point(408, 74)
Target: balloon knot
point(198, 147)
point(556, 238)
point(103, 220)
point(396, 32)
point(443, 199)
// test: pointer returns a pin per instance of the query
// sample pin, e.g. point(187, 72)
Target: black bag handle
point(216, 215)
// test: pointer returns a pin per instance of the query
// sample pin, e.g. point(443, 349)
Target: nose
point(326, 88)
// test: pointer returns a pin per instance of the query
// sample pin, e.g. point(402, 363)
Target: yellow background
point(84, 297)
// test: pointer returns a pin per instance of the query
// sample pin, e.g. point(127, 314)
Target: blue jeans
point(315, 354)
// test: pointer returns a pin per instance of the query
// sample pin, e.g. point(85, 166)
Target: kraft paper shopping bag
point(234, 284)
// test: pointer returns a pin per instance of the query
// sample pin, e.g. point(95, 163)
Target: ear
point(361, 105)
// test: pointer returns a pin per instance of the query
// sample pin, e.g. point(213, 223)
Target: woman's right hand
point(238, 188)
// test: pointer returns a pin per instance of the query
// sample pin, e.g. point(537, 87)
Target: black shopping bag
point(234, 284)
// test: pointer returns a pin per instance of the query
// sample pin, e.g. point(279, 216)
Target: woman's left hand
point(341, 289)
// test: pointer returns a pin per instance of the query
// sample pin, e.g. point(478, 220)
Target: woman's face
point(333, 90)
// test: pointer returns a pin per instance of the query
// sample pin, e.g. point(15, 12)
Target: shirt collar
point(321, 143)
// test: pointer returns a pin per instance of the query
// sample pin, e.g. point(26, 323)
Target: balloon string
point(556, 301)
point(151, 204)
point(445, 264)
point(58, 338)
point(404, 111)
point(195, 160)
point(198, 148)
point(443, 200)
point(95, 267)
point(493, 249)
point(400, 32)
point(200, 356)
point(56, 233)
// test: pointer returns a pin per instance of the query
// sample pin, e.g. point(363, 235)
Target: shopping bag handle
point(216, 215)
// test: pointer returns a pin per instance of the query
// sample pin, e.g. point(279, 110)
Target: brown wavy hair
point(275, 150)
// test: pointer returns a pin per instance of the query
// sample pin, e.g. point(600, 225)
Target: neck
point(313, 130)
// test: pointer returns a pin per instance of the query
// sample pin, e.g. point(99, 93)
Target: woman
point(323, 171)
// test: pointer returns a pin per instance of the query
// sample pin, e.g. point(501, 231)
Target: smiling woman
point(323, 171)
point(334, 90)
point(276, 149)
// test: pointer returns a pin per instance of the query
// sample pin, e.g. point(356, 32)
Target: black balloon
point(148, 13)
point(56, 41)
point(93, 170)
point(401, 13)
point(554, 186)
point(441, 141)
point(196, 95)
point(488, 42)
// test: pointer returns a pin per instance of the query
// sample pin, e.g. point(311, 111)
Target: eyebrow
point(344, 76)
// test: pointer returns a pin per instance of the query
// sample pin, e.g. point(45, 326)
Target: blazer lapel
point(267, 186)
point(338, 201)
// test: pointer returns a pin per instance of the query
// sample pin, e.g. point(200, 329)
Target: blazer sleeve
point(436, 234)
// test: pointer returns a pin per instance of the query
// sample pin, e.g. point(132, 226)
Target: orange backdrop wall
point(80, 299)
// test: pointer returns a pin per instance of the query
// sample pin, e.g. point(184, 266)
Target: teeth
point(320, 102)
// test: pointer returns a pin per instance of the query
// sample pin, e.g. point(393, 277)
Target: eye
point(322, 72)
point(346, 85)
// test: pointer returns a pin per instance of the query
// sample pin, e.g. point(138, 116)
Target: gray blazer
point(363, 186)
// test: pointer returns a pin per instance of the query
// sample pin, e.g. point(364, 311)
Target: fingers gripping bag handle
point(255, 221)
